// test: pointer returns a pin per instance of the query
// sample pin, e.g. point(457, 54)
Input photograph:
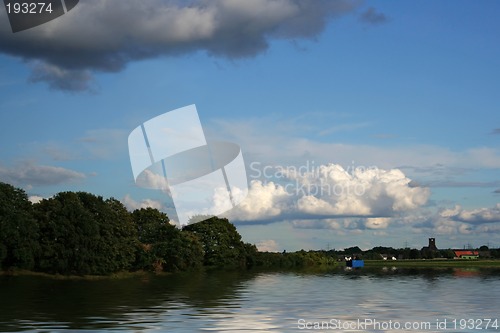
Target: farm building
point(466, 254)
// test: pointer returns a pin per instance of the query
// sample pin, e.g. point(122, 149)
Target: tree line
point(79, 233)
point(378, 253)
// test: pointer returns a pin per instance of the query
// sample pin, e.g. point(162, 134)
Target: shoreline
point(117, 275)
point(418, 263)
point(434, 263)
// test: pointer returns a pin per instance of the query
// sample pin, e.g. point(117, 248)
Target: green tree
point(415, 254)
point(190, 252)
point(122, 228)
point(163, 246)
point(385, 250)
point(495, 253)
point(250, 251)
point(448, 254)
point(80, 233)
point(18, 229)
point(222, 245)
point(353, 250)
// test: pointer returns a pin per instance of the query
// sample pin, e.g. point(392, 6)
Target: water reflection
point(28, 301)
point(237, 301)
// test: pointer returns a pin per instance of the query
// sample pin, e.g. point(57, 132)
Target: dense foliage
point(80, 233)
point(18, 229)
point(163, 246)
point(299, 259)
point(222, 245)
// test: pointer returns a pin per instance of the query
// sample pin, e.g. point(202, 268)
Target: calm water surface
point(338, 301)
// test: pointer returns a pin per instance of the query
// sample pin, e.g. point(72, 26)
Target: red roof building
point(466, 254)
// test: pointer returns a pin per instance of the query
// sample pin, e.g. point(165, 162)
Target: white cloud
point(330, 191)
point(471, 216)
point(132, 204)
point(480, 215)
point(154, 180)
point(35, 199)
point(264, 201)
point(268, 245)
point(450, 212)
point(29, 174)
point(459, 221)
point(446, 227)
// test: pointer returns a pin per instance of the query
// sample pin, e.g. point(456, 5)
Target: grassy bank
point(434, 263)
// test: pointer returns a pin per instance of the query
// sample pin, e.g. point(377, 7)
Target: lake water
point(371, 300)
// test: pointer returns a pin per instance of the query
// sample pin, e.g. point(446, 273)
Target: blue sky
point(410, 87)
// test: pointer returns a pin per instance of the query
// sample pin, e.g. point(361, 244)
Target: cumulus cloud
point(330, 191)
point(105, 36)
point(447, 227)
point(472, 216)
point(29, 174)
point(35, 199)
point(451, 212)
point(459, 221)
point(132, 204)
point(268, 245)
point(480, 215)
point(264, 201)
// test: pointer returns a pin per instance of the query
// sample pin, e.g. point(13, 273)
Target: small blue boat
point(356, 263)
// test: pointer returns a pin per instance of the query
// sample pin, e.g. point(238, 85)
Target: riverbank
point(433, 263)
point(420, 263)
point(117, 275)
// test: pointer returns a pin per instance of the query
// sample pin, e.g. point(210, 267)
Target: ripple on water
point(265, 302)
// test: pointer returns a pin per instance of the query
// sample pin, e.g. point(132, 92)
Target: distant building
point(466, 254)
point(429, 251)
point(431, 246)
